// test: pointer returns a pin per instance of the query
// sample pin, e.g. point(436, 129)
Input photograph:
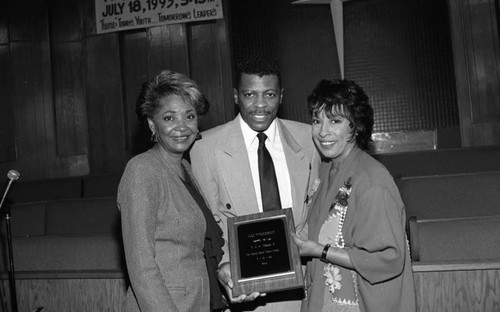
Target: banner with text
point(117, 15)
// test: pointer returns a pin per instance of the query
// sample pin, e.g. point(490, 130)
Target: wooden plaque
point(263, 256)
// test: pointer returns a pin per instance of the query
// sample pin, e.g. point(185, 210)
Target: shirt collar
point(249, 135)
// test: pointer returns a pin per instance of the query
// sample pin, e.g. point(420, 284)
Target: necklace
point(340, 206)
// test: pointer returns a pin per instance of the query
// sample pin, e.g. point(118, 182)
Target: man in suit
point(225, 163)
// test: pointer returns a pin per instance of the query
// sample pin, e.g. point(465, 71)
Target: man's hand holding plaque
point(227, 282)
point(263, 256)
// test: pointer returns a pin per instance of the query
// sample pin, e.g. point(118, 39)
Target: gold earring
point(154, 137)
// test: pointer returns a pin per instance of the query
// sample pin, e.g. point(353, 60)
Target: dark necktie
point(268, 183)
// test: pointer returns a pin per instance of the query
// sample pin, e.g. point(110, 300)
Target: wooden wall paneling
point(4, 30)
point(32, 95)
point(211, 67)
point(104, 104)
point(226, 65)
point(486, 59)
point(487, 133)
point(65, 20)
point(67, 67)
point(28, 20)
point(69, 98)
point(476, 53)
point(168, 49)
point(87, 8)
point(69, 166)
point(7, 122)
point(461, 72)
point(134, 48)
point(205, 69)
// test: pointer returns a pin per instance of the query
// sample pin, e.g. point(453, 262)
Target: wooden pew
point(456, 263)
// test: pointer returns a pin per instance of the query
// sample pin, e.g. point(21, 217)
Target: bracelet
point(322, 258)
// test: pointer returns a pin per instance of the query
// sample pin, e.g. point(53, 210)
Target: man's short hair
point(258, 65)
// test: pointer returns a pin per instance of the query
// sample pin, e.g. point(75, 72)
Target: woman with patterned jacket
point(358, 257)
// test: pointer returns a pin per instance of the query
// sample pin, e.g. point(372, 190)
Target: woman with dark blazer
point(172, 243)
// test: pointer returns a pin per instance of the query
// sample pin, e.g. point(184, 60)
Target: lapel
point(232, 159)
point(175, 184)
point(298, 169)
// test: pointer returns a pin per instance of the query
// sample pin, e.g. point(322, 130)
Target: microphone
point(13, 175)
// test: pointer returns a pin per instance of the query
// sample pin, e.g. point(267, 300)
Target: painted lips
point(327, 143)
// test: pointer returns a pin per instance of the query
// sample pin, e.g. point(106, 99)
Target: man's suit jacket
point(163, 234)
point(221, 166)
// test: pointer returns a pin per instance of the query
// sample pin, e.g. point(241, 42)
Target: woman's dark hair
point(344, 98)
point(165, 84)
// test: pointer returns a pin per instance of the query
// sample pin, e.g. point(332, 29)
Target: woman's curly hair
point(342, 97)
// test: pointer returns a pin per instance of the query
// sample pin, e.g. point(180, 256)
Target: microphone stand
point(13, 175)
point(12, 278)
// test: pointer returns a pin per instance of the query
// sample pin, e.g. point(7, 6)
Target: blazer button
point(228, 206)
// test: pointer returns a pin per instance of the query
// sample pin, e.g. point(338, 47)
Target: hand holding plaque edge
point(225, 279)
point(307, 248)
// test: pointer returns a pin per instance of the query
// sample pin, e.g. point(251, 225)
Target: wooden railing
point(455, 286)
point(76, 291)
